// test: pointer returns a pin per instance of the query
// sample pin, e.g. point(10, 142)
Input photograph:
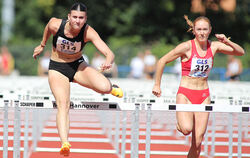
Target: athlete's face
point(77, 19)
point(202, 30)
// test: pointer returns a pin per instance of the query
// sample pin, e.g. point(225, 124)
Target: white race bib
point(200, 67)
point(66, 46)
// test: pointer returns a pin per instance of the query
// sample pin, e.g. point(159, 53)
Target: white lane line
point(101, 132)
point(141, 141)
point(103, 151)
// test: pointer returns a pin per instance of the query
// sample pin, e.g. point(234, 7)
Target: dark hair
point(79, 7)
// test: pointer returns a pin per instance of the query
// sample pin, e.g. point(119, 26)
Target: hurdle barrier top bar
point(201, 108)
point(105, 98)
point(80, 105)
point(120, 106)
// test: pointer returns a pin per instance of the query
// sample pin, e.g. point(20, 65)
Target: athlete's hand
point(37, 51)
point(222, 38)
point(156, 91)
point(105, 66)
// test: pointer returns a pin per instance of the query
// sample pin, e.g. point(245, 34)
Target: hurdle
point(116, 106)
point(142, 107)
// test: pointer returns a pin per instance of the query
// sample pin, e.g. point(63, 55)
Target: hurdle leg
point(246, 118)
point(230, 146)
point(26, 130)
point(135, 132)
point(16, 144)
point(110, 126)
point(148, 131)
point(239, 134)
point(26, 134)
point(117, 131)
point(5, 129)
point(213, 136)
point(34, 128)
point(124, 122)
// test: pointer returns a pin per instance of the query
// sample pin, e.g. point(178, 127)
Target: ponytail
point(190, 23)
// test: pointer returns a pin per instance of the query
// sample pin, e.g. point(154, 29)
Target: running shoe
point(65, 149)
point(117, 91)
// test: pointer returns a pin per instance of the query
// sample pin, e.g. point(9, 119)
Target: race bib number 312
point(200, 67)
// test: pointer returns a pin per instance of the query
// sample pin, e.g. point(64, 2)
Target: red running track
point(96, 144)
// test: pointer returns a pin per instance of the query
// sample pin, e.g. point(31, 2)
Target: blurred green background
point(128, 26)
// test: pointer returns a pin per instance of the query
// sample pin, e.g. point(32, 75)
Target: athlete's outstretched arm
point(178, 51)
point(93, 36)
point(46, 34)
point(226, 46)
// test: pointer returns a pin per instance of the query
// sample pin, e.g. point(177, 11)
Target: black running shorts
point(67, 69)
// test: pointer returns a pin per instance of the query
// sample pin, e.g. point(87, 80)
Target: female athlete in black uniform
point(67, 64)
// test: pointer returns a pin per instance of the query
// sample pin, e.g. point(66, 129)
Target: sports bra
point(198, 66)
point(68, 45)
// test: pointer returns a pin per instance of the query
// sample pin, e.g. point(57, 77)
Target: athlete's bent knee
point(183, 130)
point(105, 88)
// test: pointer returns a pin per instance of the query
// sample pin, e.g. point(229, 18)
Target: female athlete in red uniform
point(197, 61)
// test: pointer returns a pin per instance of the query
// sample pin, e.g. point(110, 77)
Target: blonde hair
point(191, 24)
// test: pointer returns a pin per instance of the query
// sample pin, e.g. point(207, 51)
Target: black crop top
point(68, 45)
